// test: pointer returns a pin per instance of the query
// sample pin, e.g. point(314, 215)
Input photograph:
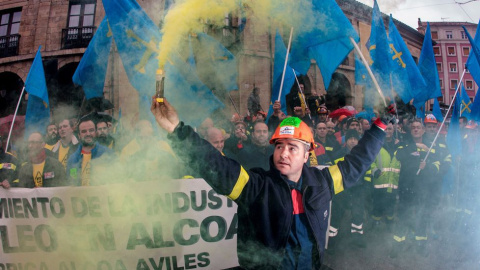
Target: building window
point(434, 34)
point(469, 85)
point(452, 67)
point(436, 51)
point(466, 51)
point(453, 84)
point(81, 21)
point(9, 29)
point(464, 36)
point(439, 67)
point(451, 51)
point(441, 83)
point(449, 34)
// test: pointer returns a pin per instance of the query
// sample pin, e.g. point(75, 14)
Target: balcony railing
point(9, 45)
point(77, 37)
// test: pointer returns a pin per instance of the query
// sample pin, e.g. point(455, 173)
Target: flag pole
point(301, 92)
point(285, 65)
point(233, 103)
point(395, 104)
point(377, 86)
point(13, 120)
point(444, 119)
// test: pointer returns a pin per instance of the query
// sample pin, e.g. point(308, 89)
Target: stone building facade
point(64, 27)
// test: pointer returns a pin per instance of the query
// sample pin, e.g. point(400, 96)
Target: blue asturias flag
point(465, 103)
point(454, 139)
point(91, 70)
point(380, 51)
point(328, 42)
point(361, 74)
point(192, 99)
point(473, 61)
point(137, 39)
point(38, 107)
point(363, 78)
point(219, 66)
point(436, 110)
point(475, 114)
point(428, 69)
point(280, 53)
point(406, 77)
point(420, 112)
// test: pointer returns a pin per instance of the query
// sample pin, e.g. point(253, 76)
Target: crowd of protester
point(401, 194)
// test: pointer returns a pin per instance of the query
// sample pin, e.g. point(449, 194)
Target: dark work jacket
point(53, 174)
point(8, 166)
point(265, 207)
point(426, 185)
point(253, 156)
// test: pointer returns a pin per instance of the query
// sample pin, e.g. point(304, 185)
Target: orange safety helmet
point(294, 128)
point(471, 125)
point(430, 119)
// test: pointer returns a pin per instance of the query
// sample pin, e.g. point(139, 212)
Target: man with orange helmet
point(283, 213)
point(431, 126)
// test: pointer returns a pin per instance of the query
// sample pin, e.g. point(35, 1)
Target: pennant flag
point(465, 103)
point(219, 66)
point(38, 108)
point(192, 99)
point(137, 39)
point(280, 53)
point(331, 34)
point(436, 110)
point(406, 77)
point(380, 51)
point(473, 61)
point(454, 138)
point(91, 70)
point(428, 69)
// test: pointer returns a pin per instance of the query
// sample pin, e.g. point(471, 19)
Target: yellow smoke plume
point(191, 16)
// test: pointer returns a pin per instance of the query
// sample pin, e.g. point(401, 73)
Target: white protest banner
point(174, 225)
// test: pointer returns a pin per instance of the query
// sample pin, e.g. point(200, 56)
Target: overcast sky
point(408, 11)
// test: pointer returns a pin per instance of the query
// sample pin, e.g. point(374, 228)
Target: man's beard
point(85, 143)
point(52, 139)
point(104, 140)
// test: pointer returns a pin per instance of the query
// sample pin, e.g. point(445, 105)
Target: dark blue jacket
point(265, 208)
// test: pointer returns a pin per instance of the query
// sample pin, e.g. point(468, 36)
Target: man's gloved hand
point(387, 117)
